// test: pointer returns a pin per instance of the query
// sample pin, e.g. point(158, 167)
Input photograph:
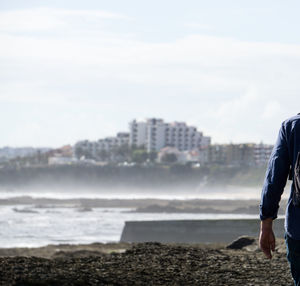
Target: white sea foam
point(68, 225)
point(232, 193)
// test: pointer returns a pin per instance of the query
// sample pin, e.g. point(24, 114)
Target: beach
point(144, 264)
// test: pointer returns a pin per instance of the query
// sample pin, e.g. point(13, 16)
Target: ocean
point(32, 225)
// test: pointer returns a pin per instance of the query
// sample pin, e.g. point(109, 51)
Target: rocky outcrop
point(241, 242)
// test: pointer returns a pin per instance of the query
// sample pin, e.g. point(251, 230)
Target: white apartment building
point(137, 133)
point(155, 134)
point(94, 148)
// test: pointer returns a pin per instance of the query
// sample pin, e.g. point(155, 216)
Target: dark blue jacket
point(282, 160)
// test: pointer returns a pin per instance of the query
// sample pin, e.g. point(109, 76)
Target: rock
point(76, 254)
point(241, 242)
point(85, 209)
point(25, 210)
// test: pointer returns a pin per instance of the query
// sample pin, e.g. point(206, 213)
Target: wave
point(228, 193)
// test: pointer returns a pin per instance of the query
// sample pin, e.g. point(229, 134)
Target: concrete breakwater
point(194, 231)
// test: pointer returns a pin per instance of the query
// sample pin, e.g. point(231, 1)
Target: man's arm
point(275, 181)
point(267, 237)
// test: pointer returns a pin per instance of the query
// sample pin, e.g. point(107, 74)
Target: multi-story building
point(240, 154)
point(95, 149)
point(109, 143)
point(247, 154)
point(262, 153)
point(214, 154)
point(137, 133)
point(155, 134)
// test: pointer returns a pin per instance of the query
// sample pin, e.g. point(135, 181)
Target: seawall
point(194, 231)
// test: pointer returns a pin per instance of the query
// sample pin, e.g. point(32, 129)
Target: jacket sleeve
point(276, 177)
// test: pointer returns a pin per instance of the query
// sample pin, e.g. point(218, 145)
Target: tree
point(139, 156)
point(123, 152)
point(152, 156)
point(169, 158)
point(79, 152)
point(103, 155)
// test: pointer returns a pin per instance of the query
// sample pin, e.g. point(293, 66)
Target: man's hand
point(266, 237)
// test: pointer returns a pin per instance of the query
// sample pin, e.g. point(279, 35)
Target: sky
point(73, 70)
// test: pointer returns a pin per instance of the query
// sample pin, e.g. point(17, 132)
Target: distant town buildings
point(154, 134)
point(11, 153)
point(174, 142)
point(149, 141)
point(61, 156)
point(248, 154)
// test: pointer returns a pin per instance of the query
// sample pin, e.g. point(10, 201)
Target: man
point(281, 164)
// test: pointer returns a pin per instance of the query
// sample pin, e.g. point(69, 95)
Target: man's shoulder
point(292, 122)
point(292, 119)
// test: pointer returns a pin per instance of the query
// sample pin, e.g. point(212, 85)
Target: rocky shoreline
point(145, 264)
point(27, 204)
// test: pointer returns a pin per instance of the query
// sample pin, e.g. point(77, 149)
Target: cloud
point(46, 19)
point(271, 110)
point(72, 58)
point(198, 26)
point(199, 63)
